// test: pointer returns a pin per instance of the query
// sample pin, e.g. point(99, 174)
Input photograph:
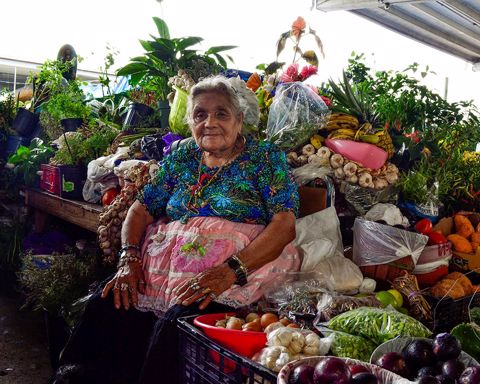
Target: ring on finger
point(124, 287)
point(194, 285)
point(116, 287)
point(212, 295)
point(206, 291)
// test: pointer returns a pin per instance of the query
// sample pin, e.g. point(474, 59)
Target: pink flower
point(291, 74)
point(308, 71)
point(413, 136)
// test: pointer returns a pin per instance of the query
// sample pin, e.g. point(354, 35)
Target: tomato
point(109, 195)
point(423, 226)
point(435, 238)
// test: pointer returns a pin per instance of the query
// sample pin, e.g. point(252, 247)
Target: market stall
point(389, 229)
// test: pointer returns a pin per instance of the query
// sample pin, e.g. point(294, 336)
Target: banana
point(330, 126)
point(372, 139)
point(346, 131)
point(341, 137)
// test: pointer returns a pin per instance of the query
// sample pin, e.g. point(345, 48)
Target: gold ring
point(206, 291)
point(124, 287)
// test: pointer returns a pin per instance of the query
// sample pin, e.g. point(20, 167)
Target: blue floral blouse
point(251, 189)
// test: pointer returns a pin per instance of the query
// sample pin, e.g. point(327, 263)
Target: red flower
point(308, 71)
point(413, 136)
point(326, 100)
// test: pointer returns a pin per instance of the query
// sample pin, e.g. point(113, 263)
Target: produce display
point(378, 325)
point(438, 360)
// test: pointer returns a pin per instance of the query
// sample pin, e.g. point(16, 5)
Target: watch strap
point(239, 268)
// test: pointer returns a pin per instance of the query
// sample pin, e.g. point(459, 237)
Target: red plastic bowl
point(369, 155)
point(245, 343)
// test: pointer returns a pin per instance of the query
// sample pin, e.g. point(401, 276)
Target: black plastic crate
point(202, 361)
point(447, 313)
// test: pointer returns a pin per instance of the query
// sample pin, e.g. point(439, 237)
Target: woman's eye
point(200, 116)
point(222, 115)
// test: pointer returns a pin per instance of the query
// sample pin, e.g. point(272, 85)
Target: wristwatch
point(239, 269)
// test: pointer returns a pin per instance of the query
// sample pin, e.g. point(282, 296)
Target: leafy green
point(469, 336)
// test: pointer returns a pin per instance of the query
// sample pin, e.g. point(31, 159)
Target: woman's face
point(215, 125)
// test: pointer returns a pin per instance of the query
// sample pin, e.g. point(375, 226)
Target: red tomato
point(109, 195)
point(423, 226)
point(435, 238)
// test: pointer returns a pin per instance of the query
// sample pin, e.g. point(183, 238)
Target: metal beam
point(348, 5)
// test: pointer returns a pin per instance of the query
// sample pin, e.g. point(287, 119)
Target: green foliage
point(164, 56)
point(7, 113)
point(11, 235)
point(67, 105)
point(54, 282)
point(48, 81)
point(86, 144)
point(27, 160)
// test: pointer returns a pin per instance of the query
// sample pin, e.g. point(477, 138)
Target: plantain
point(372, 139)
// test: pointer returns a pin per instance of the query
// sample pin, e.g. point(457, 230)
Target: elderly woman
point(210, 230)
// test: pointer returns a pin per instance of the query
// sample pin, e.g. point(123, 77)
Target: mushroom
point(365, 180)
point(336, 161)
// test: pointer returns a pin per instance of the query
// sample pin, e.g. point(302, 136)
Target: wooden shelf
point(80, 213)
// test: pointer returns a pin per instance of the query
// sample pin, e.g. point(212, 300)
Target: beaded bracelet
point(124, 260)
point(129, 246)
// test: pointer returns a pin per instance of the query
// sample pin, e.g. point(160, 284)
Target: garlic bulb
point(380, 183)
point(352, 179)
point(365, 180)
point(308, 150)
point(336, 161)
point(350, 169)
point(391, 177)
point(324, 153)
point(339, 173)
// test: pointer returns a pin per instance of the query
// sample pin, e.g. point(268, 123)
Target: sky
point(37, 29)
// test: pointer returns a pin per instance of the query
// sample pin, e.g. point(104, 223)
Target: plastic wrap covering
point(176, 118)
point(331, 304)
point(347, 345)
point(152, 146)
point(375, 243)
point(382, 375)
point(362, 199)
point(296, 113)
point(309, 172)
point(378, 324)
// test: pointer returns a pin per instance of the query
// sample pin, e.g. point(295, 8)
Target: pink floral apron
point(174, 252)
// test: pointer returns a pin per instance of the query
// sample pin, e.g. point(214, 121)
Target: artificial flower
point(307, 71)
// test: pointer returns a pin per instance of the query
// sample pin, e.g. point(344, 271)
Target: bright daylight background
point(34, 30)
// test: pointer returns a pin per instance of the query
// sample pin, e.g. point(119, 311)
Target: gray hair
point(241, 98)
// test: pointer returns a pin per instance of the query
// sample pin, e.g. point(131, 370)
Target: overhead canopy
point(448, 25)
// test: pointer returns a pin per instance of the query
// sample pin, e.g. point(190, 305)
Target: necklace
point(203, 181)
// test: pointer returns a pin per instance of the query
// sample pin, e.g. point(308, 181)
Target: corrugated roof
point(448, 25)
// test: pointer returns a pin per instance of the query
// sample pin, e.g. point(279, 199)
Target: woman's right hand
point(125, 285)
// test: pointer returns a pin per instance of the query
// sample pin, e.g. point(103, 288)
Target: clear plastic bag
point(362, 199)
point(375, 243)
point(296, 113)
point(308, 172)
point(176, 118)
point(346, 345)
point(378, 324)
point(330, 305)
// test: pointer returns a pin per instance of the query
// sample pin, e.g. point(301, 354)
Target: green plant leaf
point(220, 48)
point(147, 45)
point(220, 60)
point(162, 27)
point(132, 68)
point(185, 42)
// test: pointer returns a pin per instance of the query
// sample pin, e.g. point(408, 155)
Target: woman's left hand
point(207, 285)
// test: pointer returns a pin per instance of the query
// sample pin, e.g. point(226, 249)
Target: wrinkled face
point(215, 125)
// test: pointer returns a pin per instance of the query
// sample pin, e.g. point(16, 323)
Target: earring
point(244, 140)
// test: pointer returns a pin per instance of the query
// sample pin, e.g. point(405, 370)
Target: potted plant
point(69, 108)
point(27, 160)
point(47, 81)
point(7, 114)
point(53, 283)
point(165, 56)
point(141, 106)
